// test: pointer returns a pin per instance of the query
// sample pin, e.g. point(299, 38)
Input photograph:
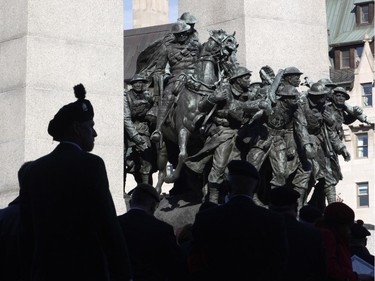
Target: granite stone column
point(274, 32)
point(46, 47)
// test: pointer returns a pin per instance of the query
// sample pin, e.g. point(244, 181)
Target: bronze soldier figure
point(189, 19)
point(138, 150)
point(275, 136)
point(230, 108)
point(324, 144)
point(181, 55)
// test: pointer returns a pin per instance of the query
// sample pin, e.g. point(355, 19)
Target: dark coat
point(306, 260)
point(239, 241)
point(9, 242)
point(70, 227)
point(153, 250)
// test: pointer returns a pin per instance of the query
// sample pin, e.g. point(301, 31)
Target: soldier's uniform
point(275, 138)
point(229, 116)
point(182, 58)
point(324, 144)
point(137, 133)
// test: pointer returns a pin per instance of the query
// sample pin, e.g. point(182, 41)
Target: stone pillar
point(149, 13)
point(46, 47)
point(277, 33)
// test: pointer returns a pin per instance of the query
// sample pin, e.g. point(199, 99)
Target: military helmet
point(138, 77)
point(268, 70)
point(340, 90)
point(188, 18)
point(288, 91)
point(327, 82)
point(180, 27)
point(292, 70)
point(240, 71)
point(317, 89)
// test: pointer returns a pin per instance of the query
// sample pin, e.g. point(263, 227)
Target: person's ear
point(76, 128)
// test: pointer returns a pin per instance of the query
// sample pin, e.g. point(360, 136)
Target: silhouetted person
point(358, 242)
point(337, 219)
point(309, 215)
point(153, 250)
point(240, 240)
point(70, 227)
point(306, 253)
point(10, 259)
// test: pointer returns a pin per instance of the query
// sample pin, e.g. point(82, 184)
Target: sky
point(128, 14)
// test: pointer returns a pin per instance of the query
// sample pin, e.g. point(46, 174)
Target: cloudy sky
point(128, 15)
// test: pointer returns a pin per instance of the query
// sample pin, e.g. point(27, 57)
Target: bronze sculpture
point(229, 107)
point(209, 113)
point(138, 150)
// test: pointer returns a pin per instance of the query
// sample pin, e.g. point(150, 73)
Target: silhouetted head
point(144, 196)
point(284, 199)
point(74, 121)
point(243, 177)
point(339, 213)
point(309, 214)
point(358, 231)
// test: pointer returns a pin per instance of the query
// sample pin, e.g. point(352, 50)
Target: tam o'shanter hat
point(80, 111)
point(358, 230)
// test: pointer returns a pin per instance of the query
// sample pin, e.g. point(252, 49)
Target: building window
point(362, 194)
point(367, 94)
point(358, 54)
point(364, 14)
point(362, 145)
point(345, 58)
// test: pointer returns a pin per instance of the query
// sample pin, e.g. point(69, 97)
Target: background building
point(351, 43)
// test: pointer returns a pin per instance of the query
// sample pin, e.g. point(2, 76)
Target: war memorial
point(50, 48)
point(193, 104)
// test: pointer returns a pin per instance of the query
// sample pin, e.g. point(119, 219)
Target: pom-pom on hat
point(80, 110)
point(339, 213)
point(358, 230)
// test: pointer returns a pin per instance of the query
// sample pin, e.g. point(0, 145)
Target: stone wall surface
point(47, 48)
point(277, 33)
